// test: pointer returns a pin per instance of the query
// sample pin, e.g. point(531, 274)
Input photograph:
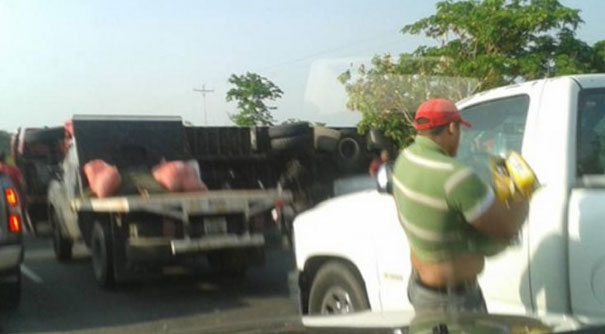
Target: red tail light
point(14, 223)
point(11, 197)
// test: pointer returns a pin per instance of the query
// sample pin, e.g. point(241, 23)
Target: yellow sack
point(512, 177)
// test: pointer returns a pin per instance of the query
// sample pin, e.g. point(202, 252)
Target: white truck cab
point(352, 253)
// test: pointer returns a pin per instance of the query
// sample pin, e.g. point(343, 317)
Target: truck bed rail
point(182, 205)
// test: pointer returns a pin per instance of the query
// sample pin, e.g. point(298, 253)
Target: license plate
point(215, 225)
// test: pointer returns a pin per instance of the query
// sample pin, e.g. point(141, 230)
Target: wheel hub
point(337, 301)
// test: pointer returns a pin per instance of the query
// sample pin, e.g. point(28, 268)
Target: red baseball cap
point(437, 112)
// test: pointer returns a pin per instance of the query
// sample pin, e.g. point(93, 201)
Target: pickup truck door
point(587, 252)
point(499, 125)
point(586, 213)
point(393, 254)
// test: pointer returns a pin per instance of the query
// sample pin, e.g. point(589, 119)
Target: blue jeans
point(465, 298)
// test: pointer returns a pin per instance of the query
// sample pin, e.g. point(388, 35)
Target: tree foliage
point(388, 100)
point(5, 139)
point(250, 91)
point(491, 42)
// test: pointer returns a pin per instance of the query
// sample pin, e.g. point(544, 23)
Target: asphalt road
point(64, 298)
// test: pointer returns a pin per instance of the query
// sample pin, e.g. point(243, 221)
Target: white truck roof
point(584, 80)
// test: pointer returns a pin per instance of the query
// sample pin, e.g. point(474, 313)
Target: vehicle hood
point(408, 322)
point(393, 322)
point(351, 203)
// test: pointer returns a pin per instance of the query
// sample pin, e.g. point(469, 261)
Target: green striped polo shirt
point(437, 197)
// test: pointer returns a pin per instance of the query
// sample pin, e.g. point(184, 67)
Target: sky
point(65, 57)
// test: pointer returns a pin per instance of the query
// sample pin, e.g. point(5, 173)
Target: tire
point(290, 130)
point(376, 140)
point(337, 289)
point(102, 256)
point(349, 155)
point(10, 293)
point(228, 263)
point(292, 143)
point(44, 135)
point(61, 245)
point(326, 139)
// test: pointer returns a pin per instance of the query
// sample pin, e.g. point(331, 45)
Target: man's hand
point(503, 221)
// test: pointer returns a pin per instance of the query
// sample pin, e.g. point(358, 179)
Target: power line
point(375, 49)
point(203, 91)
point(325, 51)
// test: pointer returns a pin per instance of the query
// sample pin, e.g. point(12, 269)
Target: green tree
point(250, 91)
point(482, 43)
point(5, 139)
point(389, 99)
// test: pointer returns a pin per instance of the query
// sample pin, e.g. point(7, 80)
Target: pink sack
point(104, 179)
point(179, 176)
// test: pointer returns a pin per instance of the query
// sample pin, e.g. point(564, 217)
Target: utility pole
point(203, 91)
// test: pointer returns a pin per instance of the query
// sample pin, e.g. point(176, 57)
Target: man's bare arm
point(503, 221)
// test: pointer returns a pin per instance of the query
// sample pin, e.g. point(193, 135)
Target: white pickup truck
point(352, 254)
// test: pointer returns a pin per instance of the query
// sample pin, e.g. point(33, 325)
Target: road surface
point(64, 298)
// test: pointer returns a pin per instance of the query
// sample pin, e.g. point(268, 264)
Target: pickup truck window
point(591, 133)
point(498, 126)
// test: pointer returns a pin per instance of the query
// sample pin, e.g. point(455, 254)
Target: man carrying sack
point(450, 216)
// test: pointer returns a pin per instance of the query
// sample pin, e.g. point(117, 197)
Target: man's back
point(436, 197)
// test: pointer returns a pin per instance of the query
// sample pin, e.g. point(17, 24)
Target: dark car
point(37, 153)
point(11, 245)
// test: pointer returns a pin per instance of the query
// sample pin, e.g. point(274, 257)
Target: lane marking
point(30, 274)
point(39, 254)
point(48, 253)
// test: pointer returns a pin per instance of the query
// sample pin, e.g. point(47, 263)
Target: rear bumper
point(150, 249)
point(11, 256)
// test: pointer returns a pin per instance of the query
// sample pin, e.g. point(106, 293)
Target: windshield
point(212, 166)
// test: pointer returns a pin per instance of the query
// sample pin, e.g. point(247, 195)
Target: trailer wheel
point(102, 255)
point(290, 130)
point(44, 135)
point(349, 155)
point(326, 139)
point(292, 143)
point(376, 140)
point(61, 245)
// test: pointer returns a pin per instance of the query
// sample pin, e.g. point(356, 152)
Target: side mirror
point(384, 178)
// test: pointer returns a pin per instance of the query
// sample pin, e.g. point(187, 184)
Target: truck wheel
point(44, 135)
point(10, 293)
point(326, 139)
point(290, 130)
point(349, 155)
point(61, 245)
point(337, 289)
point(101, 253)
point(292, 143)
point(377, 140)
